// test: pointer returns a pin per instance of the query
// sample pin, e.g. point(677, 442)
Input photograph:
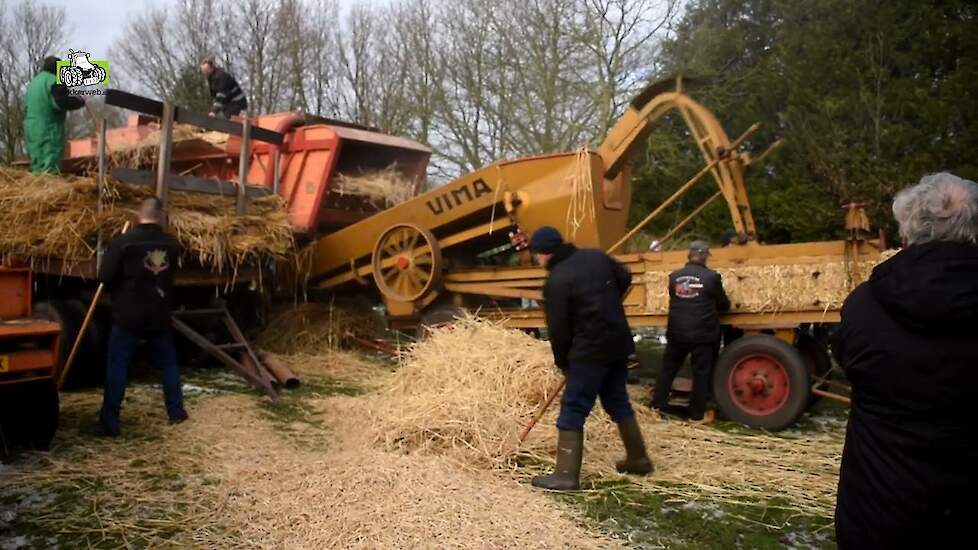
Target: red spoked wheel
point(761, 381)
point(759, 384)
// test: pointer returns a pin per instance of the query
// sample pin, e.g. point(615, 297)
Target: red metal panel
point(15, 293)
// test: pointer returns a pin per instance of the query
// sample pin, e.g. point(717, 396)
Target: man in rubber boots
point(137, 269)
point(696, 298)
point(591, 342)
point(229, 99)
point(46, 105)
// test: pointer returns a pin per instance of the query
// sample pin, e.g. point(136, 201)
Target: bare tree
point(477, 80)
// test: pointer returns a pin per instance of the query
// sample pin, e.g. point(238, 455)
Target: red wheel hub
point(759, 385)
point(403, 263)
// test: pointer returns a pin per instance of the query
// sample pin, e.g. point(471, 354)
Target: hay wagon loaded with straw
point(242, 196)
point(441, 252)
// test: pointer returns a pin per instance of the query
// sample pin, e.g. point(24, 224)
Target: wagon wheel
point(761, 381)
point(407, 263)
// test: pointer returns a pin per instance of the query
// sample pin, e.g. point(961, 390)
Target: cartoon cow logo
point(156, 261)
point(79, 70)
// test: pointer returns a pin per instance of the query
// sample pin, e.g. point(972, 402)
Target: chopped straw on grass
point(55, 217)
point(466, 392)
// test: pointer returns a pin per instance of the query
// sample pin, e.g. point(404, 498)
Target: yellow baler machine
point(433, 252)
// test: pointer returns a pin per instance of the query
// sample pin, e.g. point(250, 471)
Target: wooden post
point(101, 189)
point(243, 165)
point(165, 150)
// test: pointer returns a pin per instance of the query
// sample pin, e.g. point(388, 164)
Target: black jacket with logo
point(908, 342)
point(696, 297)
point(225, 91)
point(137, 269)
point(583, 303)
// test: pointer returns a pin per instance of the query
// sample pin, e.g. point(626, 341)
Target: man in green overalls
point(46, 105)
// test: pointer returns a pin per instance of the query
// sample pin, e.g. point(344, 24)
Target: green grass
point(647, 520)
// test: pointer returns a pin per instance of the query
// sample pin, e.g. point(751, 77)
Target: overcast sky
point(93, 25)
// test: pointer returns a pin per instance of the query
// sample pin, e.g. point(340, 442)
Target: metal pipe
point(276, 168)
point(243, 164)
point(165, 149)
point(99, 248)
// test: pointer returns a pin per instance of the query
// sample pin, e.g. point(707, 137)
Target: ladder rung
point(232, 346)
point(194, 312)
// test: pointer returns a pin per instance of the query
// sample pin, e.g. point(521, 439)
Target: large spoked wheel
point(761, 381)
point(407, 263)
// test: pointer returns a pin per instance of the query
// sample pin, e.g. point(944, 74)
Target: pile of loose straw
point(55, 217)
point(317, 327)
point(387, 187)
point(466, 392)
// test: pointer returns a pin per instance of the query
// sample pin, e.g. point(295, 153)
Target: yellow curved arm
point(726, 166)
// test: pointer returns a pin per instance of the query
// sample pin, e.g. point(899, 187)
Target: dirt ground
point(244, 472)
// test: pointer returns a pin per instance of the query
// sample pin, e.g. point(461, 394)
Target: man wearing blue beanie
point(591, 342)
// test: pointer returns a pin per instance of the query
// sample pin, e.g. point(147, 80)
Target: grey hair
point(942, 207)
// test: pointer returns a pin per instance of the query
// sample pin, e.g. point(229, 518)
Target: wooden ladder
point(259, 375)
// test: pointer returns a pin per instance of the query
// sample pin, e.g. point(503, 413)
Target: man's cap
point(546, 240)
point(700, 247)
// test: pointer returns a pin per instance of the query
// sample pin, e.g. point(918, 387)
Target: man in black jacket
point(229, 99)
point(137, 269)
point(908, 344)
point(696, 297)
point(591, 342)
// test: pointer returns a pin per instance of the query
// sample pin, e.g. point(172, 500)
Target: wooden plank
point(193, 184)
point(145, 105)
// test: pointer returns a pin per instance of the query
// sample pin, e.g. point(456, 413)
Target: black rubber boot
point(636, 459)
point(567, 472)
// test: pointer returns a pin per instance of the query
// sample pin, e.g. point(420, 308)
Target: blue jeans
point(122, 345)
point(585, 383)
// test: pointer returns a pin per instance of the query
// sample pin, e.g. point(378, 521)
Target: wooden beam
point(152, 107)
point(193, 184)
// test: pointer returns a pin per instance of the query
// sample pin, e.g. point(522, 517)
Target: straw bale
point(774, 288)
point(48, 216)
point(388, 186)
point(466, 392)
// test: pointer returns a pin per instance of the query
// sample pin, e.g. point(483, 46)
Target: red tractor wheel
point(761, 381)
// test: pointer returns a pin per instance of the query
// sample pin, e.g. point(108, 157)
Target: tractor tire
point(70, 321)
point(761, 381)
point(29, 413)
point(99, 73)
point(438, 316)
point(44, 414)
point(72, 76)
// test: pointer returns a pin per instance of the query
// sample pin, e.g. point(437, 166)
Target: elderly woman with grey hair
point(909, 345)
